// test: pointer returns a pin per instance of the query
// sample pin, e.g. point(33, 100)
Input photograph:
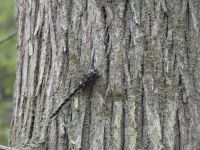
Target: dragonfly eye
point(90, 76)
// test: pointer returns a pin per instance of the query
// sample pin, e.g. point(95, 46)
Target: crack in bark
point(123, 120)
point(104, 139)
point(85, 142)
point(177, 142)
point(32, 124)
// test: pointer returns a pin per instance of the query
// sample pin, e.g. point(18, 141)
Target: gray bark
point(6, 148)
point(147, 53)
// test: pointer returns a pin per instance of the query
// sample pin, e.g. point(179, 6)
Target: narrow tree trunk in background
point(1, 93)
point(147, 53)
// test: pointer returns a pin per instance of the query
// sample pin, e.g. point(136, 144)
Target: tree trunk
point(147, 53)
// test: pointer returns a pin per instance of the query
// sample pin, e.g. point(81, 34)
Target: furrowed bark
point(147, 55)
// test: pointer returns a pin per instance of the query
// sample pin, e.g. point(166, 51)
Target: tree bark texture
point(147, 53)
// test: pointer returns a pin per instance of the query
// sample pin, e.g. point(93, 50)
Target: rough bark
point(6, 148)
point(147, 53)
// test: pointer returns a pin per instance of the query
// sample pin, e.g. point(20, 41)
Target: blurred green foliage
point(7, 65)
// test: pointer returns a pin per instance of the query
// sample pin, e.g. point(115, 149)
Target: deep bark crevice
point(69, 12)
point(105, 140)
point(140, 120)
point(111, 120)
point(177, 142)
point(32, 124)
point(85, 142)
point(123, 120)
